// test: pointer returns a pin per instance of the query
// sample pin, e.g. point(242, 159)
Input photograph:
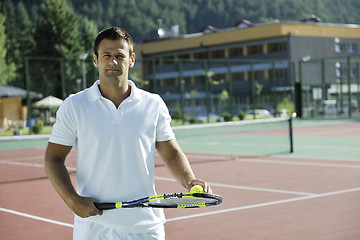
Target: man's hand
point(84, 207)
point(202, 183)
point(59, 177)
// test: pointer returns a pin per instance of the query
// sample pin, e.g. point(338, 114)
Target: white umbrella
point(48, 102)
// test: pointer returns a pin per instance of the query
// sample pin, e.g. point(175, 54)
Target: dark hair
point(113, 33)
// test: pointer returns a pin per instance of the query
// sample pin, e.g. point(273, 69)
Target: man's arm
point(178, 164)
point(59, 177)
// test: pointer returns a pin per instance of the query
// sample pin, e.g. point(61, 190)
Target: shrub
point(241, 115)
point(226, 116)
point(37, 128)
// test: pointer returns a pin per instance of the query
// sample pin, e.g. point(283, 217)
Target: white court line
point(24, 158)
point(202, 214)
point(244, 144)
point(30, 158)
point(236, 144)
point(36, 217)
point(291, 162)
point(38, 165)
point(264, 204)
point(240, 159)
point(245, 188)
point(299, 163)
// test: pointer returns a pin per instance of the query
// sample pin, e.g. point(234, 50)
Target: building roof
point(244, 30)
point(14, 92)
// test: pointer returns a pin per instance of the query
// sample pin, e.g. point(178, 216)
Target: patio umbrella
point(48, 102)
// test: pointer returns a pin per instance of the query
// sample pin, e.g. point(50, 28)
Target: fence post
point(207, 90)
point(63, 87)
point(253, 100)
point(274, 87)
point(230, 89)
point(358, 83)
point(28, 97)
point(341, 90)
point(323, 85)
point(154, 76)
point(349, 84)
point(182, 105)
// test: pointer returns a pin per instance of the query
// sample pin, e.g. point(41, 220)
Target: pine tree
point(20, 40)
point(56, 32)
point(56, 36)
point(7, 71)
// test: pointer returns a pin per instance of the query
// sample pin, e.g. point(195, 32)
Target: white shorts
point(87, 230)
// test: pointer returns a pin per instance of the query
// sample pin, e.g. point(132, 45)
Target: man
point(116, 128)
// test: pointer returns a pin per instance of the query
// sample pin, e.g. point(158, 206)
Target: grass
point(24, 131)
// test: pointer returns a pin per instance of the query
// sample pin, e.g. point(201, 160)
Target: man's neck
point(115, 93)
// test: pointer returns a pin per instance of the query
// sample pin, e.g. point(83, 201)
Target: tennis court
point(268, 192)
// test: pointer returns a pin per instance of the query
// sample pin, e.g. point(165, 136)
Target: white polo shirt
point(115, 151)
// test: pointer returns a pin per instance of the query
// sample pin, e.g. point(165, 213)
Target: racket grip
point(104, 206)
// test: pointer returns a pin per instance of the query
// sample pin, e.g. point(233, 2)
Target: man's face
point(114, 60)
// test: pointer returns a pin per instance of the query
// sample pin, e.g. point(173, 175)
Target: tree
point(57, 37)
point(7, 71)
point(56, 31)
point(20, 40)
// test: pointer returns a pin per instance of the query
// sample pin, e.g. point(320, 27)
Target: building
point(13, 110)
point(251, 65)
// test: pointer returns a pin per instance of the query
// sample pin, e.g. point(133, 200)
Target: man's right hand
point(84, 207)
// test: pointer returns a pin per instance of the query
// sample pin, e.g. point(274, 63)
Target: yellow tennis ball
point(197, 189)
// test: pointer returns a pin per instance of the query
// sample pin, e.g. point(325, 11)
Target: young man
point(116, 128)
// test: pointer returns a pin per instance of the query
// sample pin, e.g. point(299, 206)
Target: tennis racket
point(170, 200)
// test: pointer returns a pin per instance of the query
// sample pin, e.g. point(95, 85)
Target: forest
point(64, 29)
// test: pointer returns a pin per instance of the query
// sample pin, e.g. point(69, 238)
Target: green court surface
point(20, 142)
point(327, 139)
point(321, 139)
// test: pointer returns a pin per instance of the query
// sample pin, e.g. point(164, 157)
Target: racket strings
point(184, 201)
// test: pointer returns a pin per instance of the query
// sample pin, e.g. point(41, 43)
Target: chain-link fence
point(208, 88)
point(330, 87)
point(216, 89)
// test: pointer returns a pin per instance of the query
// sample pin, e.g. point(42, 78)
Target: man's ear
point(132, 59)
point(95, 61)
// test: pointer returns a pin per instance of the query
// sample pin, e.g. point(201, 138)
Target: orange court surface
point(313, 193)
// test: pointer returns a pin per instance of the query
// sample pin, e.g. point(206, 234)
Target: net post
point(291, 135)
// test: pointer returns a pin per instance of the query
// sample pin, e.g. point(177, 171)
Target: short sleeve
point(64, 130)
point(164, 130)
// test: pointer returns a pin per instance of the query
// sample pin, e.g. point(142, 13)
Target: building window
point(352, 48)
point(338, 70)
point(340, 47)
point(184, 56)
point(259, 75)
point(218, 78)
point(344, 72)
point(276, 47)
point(279, 73)
point(238, 76)
point(256, 49)
point(217, 54)
point(236, 52)
point(168, 82)
point(198, 80)
point(187, 80)
point(200, 55)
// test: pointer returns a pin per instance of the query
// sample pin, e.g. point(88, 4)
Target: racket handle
point(104, 206)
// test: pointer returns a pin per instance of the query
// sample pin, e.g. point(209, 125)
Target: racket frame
point(151, 201)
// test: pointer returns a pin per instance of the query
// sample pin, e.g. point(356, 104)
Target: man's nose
point(113, 60)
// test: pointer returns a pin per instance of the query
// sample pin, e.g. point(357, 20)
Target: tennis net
point(250, 137)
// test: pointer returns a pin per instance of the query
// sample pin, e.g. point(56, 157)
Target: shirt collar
point(95, 94)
